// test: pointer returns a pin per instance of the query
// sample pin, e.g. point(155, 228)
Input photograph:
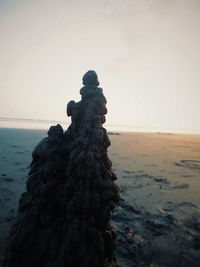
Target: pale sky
point(145, 52)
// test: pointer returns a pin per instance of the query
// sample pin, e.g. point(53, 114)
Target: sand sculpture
point(64, 217)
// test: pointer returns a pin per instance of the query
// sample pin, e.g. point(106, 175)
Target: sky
point(145, 52)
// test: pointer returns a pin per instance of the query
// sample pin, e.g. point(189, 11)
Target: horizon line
point(132, 127)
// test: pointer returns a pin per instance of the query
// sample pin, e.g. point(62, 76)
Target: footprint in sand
point(7, 179)
point(181, 186)
point(192, 164)
point(17, 163)
point(187, 175)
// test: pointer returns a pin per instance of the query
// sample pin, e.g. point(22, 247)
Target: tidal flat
point(158, 218)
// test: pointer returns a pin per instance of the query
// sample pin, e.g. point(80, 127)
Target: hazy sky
point(146, 54)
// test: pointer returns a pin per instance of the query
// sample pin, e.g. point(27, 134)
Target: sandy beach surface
point(158, 218)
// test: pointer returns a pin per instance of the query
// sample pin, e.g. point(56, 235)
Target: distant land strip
point(111, 127)
point(57, 121)
point(31, 120)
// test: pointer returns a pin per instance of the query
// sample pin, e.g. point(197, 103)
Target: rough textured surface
point(64, 217)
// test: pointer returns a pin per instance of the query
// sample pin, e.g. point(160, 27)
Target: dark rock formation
point(64, 217)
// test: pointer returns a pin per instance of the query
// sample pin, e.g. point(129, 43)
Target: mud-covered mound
point(64, 216)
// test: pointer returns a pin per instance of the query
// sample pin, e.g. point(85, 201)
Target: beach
point(157, 221)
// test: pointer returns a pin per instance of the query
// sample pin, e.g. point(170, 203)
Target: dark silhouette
point(64, 217)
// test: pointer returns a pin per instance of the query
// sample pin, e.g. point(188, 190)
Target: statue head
point(90, 78)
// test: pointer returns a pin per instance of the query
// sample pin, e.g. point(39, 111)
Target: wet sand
point(158, 218)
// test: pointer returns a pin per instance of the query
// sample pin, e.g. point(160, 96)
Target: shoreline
point(114, 131)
